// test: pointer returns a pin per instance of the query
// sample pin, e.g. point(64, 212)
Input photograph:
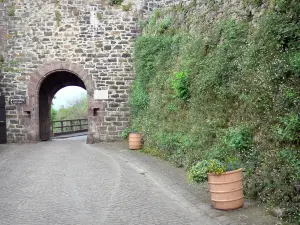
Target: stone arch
point(44, 70)
point(35, 83)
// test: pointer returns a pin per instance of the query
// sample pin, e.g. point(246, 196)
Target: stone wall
point(3, 32)
point(3, 28)
point(92, 34)
point(148, 6)
point(206, 12)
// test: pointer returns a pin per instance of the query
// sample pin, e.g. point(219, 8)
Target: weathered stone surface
point(48, 43)
point(74, 183)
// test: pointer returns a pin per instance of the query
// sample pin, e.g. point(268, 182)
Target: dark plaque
point(17, 101)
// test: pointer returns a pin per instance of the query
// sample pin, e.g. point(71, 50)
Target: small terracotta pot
point(226, 190)
point(135, 141)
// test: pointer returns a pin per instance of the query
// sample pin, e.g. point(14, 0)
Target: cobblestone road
point(70, 182)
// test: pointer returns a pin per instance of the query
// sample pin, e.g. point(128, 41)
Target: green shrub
point(12, 10)
point(116, 2)
point(149, 52)
point(198, 172)
point(240, 142)
point(164, 25)
point(99, 16)
point(127, 7)
point(57, 18)
point(256, 2)
point(295, 63)
point(125, 133)
point(57, 2)
point(180, 84)
point(280, 173)
point(289, 128)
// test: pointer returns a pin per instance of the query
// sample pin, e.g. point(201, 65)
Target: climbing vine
point(57, 18)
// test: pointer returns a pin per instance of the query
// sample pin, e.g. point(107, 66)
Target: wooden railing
point(69, 126)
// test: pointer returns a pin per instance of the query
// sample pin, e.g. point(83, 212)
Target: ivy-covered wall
point(214, 78)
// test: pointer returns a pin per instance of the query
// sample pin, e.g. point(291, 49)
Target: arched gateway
point(44, 83)
point(60, 43)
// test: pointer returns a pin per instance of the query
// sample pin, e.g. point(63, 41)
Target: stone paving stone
point(69, 182)
point(196, 194)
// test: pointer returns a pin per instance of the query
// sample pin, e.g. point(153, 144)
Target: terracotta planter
point(226, 190)
point(135, 141)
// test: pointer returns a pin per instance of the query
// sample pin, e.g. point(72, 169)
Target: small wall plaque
point(17, 101)
point(100, 94)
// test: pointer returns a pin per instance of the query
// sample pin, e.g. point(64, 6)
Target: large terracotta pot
point(226, 190)
point(135, 141)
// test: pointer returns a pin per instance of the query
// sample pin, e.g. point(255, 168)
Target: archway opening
point(69, 113)
point(48, 88)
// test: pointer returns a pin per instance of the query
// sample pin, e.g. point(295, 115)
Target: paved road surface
point(75, 136)
point(70, 182)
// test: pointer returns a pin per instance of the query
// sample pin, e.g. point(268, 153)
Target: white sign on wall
point(94, 21)
point(100, 94)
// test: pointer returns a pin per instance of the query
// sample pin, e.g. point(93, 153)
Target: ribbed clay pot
point(226, 190)
point(135, 141)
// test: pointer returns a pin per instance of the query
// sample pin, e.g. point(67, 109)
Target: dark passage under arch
point(49, 86)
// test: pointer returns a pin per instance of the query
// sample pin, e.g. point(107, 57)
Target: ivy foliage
point(230, 89)
point(180, 84)
point(9, 66)
point(149, 53)
point(116, 2)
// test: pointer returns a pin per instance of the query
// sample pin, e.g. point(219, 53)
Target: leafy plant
point(125, 133)
point(127, 7)
point(12, 10)
point(239, 140)
point(9, 65)
point(180, 84)
point(289, 128)
point(53, 114)
point(164, 25)
point(57, 2)
point(198, 172)
point(57, 18)
point(116, 2)
point(256, 2)
point(295, 62)
point(291, 157)
point(99, 16)
point(149, 51)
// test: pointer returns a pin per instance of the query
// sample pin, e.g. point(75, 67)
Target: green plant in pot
point(222, 167)
point(225, 181)
point(134, 138)
point(199, 172)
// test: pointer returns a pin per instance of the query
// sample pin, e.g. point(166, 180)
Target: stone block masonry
point(3, 29)
point(147, 6)
point(92, 35)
